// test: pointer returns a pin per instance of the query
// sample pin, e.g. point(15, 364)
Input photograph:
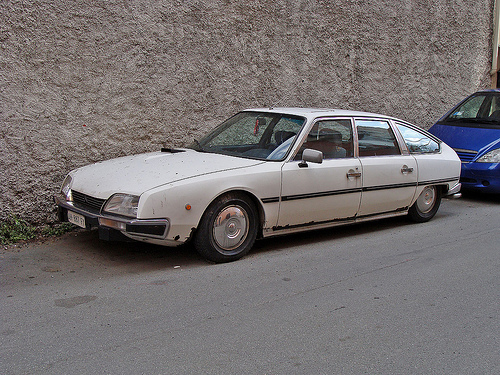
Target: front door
point(322, 193)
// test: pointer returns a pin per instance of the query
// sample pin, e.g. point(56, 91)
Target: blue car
point(472, 129)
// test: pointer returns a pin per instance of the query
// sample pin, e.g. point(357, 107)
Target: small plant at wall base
point(14, 230)
point(57, 230)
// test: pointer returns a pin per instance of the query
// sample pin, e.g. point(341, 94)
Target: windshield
point(255, 135)
point(479, 110)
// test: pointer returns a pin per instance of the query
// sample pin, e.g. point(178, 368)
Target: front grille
point(465, 156)
point(87, 202)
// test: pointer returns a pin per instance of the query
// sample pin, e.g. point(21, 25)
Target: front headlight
point(122, 204)
point(66, 188)
point(490, 157)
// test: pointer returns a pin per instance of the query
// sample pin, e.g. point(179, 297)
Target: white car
point(265, 172)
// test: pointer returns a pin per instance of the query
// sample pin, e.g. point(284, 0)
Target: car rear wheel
point(228, 229)
point(426, 205)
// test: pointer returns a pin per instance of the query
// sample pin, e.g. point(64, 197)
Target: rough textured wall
point(90, 80)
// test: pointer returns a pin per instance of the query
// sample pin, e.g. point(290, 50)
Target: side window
point(375, 138)
point(332, 137)
point(417, 142)
point(494, 111)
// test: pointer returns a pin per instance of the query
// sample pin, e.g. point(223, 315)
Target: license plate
point(76, 219)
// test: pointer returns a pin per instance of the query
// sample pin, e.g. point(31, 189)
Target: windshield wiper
point(196, 146)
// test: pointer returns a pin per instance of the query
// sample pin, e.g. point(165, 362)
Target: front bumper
point(484, 177)
point(110, 227)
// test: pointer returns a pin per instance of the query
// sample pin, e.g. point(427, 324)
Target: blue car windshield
point(254, 135)
point(479, 110)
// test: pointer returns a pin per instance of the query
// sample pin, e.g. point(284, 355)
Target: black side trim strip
point(385, 187)
point(347, 191)
point(431, 182)
point(320, 194)
point(357, 190)
point(271, 200)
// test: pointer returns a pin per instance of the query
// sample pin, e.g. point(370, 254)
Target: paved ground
point(378, 298)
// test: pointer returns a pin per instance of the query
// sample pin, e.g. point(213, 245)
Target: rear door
point(389, 175)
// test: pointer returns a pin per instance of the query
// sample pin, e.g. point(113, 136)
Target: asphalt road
point(388, 297)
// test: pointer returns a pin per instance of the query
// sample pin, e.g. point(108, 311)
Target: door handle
point(353, 173)
point(405, 169)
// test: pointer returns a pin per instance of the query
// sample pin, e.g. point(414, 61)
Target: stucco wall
point(82, 81)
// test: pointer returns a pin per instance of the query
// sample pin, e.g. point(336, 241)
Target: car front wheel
point(228, 229)
point(426, 205)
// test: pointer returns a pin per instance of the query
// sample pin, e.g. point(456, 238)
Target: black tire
point(228, 229)
point(426, 205)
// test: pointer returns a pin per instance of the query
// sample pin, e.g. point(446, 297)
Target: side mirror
point(310, 155)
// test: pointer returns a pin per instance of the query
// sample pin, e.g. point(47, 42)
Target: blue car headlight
point(490, 157)
point(122, 204)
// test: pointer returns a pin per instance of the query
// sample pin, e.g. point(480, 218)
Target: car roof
point(317, 112)
point(487, 90)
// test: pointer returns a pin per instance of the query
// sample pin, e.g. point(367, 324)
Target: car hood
point(467, 138)
point(138, 173)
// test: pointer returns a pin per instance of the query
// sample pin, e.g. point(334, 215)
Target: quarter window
point(416, 141)
point(375, 138)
